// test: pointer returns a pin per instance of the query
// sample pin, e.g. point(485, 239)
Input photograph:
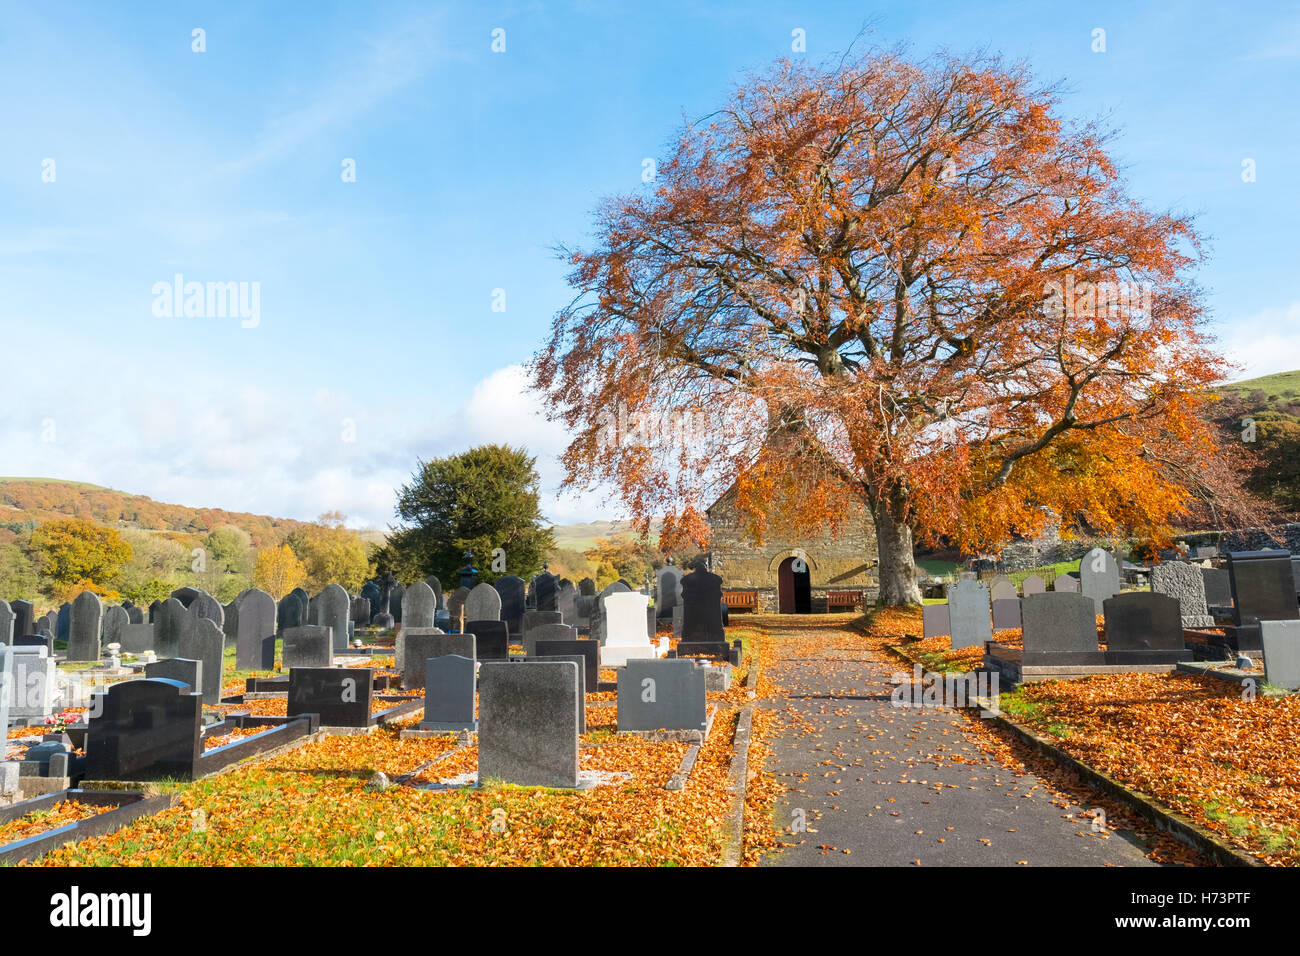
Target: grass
point(1271, 384)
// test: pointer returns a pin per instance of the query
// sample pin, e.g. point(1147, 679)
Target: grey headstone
point(669, 590)
point(511, 591)
point(1281, 641)
point(1033, 585)
point(419, 605)
point(205, 605)
point(311, 645)
point(135, 615)
point(171, 620)
point(449, 693)
point(6, 685)
point(1185, 583)
point(335, 607)
point(661, 695)
point(180, 669)
point(291, 611)
point(433, 582)
point(87, 621)
point(1006, 614)
point(483, 603)
point(564, 599)
point(360, 611)
point(422, 644)
point(1065, 584)
point(115, 620)
point(7, 618)
point(204, 642)
point(528, 723)
point(255, 639)
point(35, 683)
point(1057, 624)
point(585, 682)
point(1218, 587)
point(968, 614)
point(534, 619)
point(1003, 588)
point(136, 638)
point(1098, 576)
point(1143, 621)
point(456, 604)
point(549, 632)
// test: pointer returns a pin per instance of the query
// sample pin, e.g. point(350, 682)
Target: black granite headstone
point(1143, 621)
point(145, 730)
point(1263, 587)
point(341, 695)
point(491, 639)
point(590, 651)
point(702, 607)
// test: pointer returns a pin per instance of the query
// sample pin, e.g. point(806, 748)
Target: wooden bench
point(740, 600)
point(847, 600)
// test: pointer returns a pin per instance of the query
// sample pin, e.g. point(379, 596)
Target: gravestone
point(1143, 621)
point(483, 603)
point(546, 591)
point(291, 612)
point(171, 620)
point(587, 587)
point(456, 604)
point(205, 643)
point(535, 619)
point(550, 632)
point(145, 730)
point(934, 620)
point(1098, 576)
point(1059, 628)
point(583, 686)
point(1003, 589)
point(1218, 587)
point(397, 603)
point(425, 643)
point(335, 606)
point(1006, 614)
point(661, 695)
point(24, 617)
point(491, 639)
point(1033, 585)
point(34, 683)
point(7, 689)
point(1066, 584)
point(230, 621)
point(115, 621)
point(449, 693)
point(370, 591)
point(528, 723)
point(668, 593)
point(47, 623)
point(701, 598)
point(418, 606)
point(1263, 587)
point(63, 622)
point(204, 604)
point(436, 585)
point(564, 600)
point(136, 638)
point(134, 615)
point(86, 623)
point(360, 614)
point(1281, 645)
point(341, 695)
point(185, 595)
point(585, 648)
point(625, 635)
point(7, 618)
point(968, 614)
point(180, 669)
point(584, 613)
point(598, 615)
point(255, 639)
point(1185, 583)
point(311, 645)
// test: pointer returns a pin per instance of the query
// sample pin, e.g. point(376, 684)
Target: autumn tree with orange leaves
point(912, 285)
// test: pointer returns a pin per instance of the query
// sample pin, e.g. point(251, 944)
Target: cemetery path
point(881, 785)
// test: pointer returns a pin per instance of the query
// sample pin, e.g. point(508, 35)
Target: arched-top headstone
point(510, 589)
point(335, 606)
point(24, 618)
point(255, 637)
point(546, 591)
point(7, 618)
point(85, 624)
point(205, 605)
point(433, 582)
point(1033, 585)
point(419, 605)
point(456, 603)
point(185, 595)
point(587, 587)
point(171, 620)
point(701, 599)
point(115, 620)
point(483, 603)
point(1098, 576)
point(1003, 589)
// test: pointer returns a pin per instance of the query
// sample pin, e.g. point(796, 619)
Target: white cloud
point(1266, 342)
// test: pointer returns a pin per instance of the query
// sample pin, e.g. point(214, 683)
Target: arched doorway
point(794, 588)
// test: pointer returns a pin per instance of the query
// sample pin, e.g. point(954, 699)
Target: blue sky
point(376, 342)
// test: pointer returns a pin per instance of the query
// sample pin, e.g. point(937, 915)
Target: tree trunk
point(897, 571)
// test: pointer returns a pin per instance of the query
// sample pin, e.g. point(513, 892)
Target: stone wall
point(847, 562)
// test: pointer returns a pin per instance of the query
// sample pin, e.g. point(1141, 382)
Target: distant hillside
point(580, 537)
point(1280, 387)
point(28, 501)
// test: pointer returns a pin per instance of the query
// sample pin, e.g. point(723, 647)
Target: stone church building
point(790, 573)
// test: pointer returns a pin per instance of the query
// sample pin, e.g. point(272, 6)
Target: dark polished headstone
point(255, 631)
point(341, 695)
point(180, 669)
point(1263, 587)
point(145, 730)
point(588, 649)
point(701, 594)
point(546, 591)
point(311, 645)
point(1143, 621)
point(449, 684)
point(1059, 628)
point(491, 639)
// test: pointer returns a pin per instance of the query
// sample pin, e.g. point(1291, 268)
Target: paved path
point(893, 786)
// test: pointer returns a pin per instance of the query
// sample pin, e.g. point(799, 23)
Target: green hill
point(1281, 385)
